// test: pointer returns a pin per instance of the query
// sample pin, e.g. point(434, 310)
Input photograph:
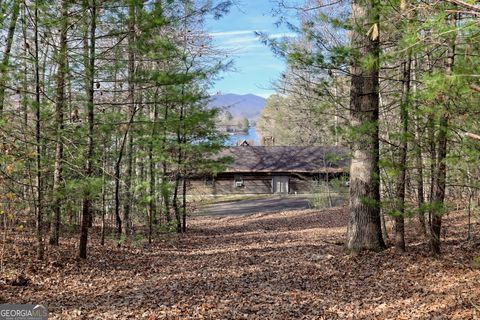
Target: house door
point(280, 184)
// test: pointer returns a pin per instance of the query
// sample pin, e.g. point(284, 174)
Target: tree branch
point(472, 135)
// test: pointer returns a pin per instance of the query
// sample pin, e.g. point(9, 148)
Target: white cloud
point(282, 35)
point(255, 53)
point(231, 33)
point(240, 40)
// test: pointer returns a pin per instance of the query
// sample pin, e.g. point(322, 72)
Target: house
point(275, 169)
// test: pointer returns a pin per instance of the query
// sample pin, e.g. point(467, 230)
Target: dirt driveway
point(244, 207)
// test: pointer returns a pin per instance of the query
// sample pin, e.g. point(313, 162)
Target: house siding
point(253, 183)
point(225, 184)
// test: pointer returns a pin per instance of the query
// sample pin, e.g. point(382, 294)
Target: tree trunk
point(176, 207)
point(6, 56)
point(131, 101)
point(469, 208)
point(178, 174)
point(25, 58)
point(152, 201)
point(104, 209)
point(184, 204)
point(166, 192)
point(128, 186)
point(364, 228)
point(38, 157)
point(384, 227)
point(437, 209)
point(118, 219)
point(117, 168)
point(90, 73)
point(164, 186)
point(419, 160)
point(59, 110)
point(25, 104)
point(439, 187)
point(420, 185)
point(117, 174)
point(400, 192)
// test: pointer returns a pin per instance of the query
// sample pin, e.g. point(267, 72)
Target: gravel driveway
point(245, 207)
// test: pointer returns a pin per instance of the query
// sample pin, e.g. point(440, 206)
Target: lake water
point(251, 135)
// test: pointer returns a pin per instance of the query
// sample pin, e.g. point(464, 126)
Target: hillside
point(240, 106)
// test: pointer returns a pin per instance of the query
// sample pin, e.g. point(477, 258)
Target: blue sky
point(255, 66)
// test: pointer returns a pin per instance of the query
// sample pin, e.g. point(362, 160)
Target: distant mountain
point(240, 106)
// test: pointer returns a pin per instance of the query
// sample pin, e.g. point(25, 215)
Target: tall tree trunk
point(433, 164)
point(104, 208)
point(176, 207)
point(131, 101)
point(117, 174)
point(6, 55)
point(27, 190)
point(178, 178)
point(116, 177)
point(364, 228)
point(469, 212)
point(420, 185)
point(153, 200)
point(38, 156)
point(180, 165)
point(439, 187)
point(400, 192)
point(419, 159)
point(166, 192)
point(117, 168)
point(59, 110)
point(128, 186)
point(90, 73)
point(25, 58)
point(184, 204)
point(164, 185)
point(118, 219)
point(440, 180)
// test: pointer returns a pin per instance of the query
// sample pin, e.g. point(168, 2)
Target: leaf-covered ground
point(272, 266)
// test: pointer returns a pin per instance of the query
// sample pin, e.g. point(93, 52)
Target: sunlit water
point(251, 135)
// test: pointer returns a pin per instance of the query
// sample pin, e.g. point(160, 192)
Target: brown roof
point(287, 159)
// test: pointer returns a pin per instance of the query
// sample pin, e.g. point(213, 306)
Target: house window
point(238, 181)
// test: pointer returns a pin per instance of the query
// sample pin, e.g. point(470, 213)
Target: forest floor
point(287, 265)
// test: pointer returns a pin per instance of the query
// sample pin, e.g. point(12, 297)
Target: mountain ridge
point(239, 105)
